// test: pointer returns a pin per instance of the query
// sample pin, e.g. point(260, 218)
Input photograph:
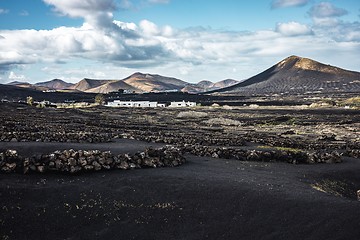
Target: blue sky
point(192, 40)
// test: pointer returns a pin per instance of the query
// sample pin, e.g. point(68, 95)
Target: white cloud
point(14, 77)
point(149, 28)
point(288, 3)
point(326, 22)
point(81, 8)
point(293, 29)
point(126, 4)
point(160, 1)
point(126, 46)
point(3, 11)
point(24, 13)
point(326, 9)
point(184, 70)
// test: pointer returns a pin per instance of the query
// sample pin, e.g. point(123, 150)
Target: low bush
point(192, 114)
point(222, 121)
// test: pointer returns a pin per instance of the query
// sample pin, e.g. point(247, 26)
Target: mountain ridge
point(292, 75)
point(55, 84)
point(296, 75)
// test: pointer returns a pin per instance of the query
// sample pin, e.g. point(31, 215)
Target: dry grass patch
point(192, 114)
point(222, 121)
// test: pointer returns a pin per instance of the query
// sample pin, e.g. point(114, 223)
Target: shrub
point(30, 100)
point(99, 99)
point(191, 114)
point(227, 107)
point(253, 106)
point(222, 121)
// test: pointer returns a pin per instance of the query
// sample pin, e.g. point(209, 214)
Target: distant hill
point(16, 83)
point(28, 85)
point(12, 92)
point(55, 84)
point(137, 82)
point(205, 86)
point(87, 84)
point(297, 75)
point(112, 86)
point(193, 89)
point(155, 83)
point(223, 83)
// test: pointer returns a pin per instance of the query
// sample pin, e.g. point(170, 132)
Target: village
point(119, 103)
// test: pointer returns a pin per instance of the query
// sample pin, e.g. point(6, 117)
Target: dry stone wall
point(294, 157)
point(71, 161)
point(80, 137)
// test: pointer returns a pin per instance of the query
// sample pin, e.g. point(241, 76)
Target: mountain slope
point(149, 82)
point(223, 83)
point(297, 75)
point(112, 87)
point(55, 84)
point(16, 83)
point(193, 89)
point(205, 86)
point(11, 92)
point(86, 84)
point(28, 86)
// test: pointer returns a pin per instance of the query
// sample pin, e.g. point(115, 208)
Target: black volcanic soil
point(203, 198)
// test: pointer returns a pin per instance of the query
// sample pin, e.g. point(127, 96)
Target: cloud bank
point(293, 29)
point(4, 11)
point(288, 3)
point(81, 8)
point(105, 40)
point(326, 9)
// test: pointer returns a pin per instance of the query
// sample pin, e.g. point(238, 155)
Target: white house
point(183, 104)
point(118, 103)
point(161, 105)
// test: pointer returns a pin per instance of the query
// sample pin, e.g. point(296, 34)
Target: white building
point(183, 104)
point(118, 103)
point(161, 105)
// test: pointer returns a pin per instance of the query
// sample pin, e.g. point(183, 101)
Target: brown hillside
point(297, 75)
point(31, 86)
point(55, 84)
point(112, 86)
point(156, 83)
point(87, 84)
point(223, 83)
point(204, 84)
point(193, 89)
point(15, 93)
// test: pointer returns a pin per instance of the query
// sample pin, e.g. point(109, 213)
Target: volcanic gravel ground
point(204, 198)
point(318, 128)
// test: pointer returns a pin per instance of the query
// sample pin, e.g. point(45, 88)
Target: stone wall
point(79, 137)
point(294, 157)
point(71, 161)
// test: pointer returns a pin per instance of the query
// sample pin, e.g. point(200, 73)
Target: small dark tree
point(99, 99)
point(121, 90)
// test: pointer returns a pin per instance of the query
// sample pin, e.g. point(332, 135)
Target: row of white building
point(119, 103)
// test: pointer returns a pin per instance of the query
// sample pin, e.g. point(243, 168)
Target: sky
point(192, 40)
